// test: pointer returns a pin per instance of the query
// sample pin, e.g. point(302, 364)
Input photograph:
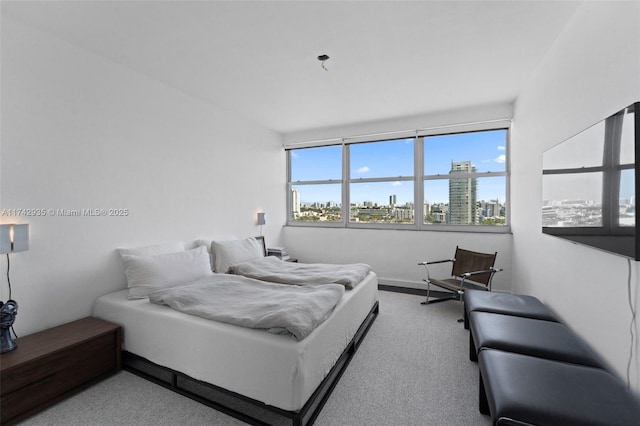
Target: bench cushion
point(544, 339)
point(507, 304)
point(544, 392)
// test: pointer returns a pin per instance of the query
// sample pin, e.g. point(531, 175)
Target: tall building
point(462, 195)
point(295, 201)
point(392, 200)
point(490, 208)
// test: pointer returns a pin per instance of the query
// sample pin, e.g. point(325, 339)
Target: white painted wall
point(592, 71)
point(79, 131)
point(394, 255)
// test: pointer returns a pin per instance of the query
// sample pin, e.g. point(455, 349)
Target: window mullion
point(288, 189)
point(418, 186)
point(346, 208)
point(465, 175)
point(383, 179)
point(315, 182)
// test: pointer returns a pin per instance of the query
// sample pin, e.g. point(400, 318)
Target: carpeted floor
point(411, 369)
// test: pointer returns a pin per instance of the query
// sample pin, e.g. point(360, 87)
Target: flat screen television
point(590, 185)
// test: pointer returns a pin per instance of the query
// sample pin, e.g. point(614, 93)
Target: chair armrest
point(436, 261)
point(484, 271)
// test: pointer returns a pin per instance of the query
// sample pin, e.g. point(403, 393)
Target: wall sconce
point(261, 220)
point(13, 238)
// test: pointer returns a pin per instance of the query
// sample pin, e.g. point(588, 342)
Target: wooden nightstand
point(50, 365)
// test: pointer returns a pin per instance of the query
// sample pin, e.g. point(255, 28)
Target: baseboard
point(411, 290)
point(392, 282)
point(398, 289)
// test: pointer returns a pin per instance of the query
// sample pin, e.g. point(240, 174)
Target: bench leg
point(483, 404)
point(465, 317)
point(473, 354)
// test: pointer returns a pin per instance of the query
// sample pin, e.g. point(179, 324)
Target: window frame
point(411, 178)
point(290, 185)
point(419, 178)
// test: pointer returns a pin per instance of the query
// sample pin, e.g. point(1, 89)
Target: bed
point(254, 375)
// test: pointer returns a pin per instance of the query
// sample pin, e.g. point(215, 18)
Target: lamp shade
point(14, 238)
point(261, 218)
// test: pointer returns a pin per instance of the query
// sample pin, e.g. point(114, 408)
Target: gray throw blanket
point(280, 309)
point(278, 271)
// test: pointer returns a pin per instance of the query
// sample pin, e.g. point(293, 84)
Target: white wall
point(81, 132)
point(394, 255)
point(592, 71)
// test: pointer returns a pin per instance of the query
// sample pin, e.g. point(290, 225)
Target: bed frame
point(241, 407)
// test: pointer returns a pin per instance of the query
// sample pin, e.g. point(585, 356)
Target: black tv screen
point(590, 185)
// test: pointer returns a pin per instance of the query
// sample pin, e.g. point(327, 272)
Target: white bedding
point(234, 299)
point(273, 369)
point(275, 270)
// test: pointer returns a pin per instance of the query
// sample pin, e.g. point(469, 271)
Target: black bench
point(507, 304)
point(534, 370)
point(518, 389)
point(544, 339)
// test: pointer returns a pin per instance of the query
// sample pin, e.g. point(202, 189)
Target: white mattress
point(274, 369)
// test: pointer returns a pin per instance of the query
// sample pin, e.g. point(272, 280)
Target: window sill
point(477, 229)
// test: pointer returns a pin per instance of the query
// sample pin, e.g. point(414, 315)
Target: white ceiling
point(387, 59)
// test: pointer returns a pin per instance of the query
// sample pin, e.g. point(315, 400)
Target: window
point(465, 178)
point(451, 181)
point(381, 182)
point(315, 190)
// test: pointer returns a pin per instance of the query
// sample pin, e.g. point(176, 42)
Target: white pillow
point(229, 253)
point(208, 242)
point(153, 250)
point(145, 273)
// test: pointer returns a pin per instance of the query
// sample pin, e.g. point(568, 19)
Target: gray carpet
point(411, 369)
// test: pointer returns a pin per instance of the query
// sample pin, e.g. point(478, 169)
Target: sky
point(392, 159)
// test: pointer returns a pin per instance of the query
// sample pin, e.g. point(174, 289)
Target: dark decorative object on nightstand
point(8, 312)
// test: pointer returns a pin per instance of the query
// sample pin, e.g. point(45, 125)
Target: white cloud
point(363, 169)
point(500, 159)
point(396, 183)
point(501, 148)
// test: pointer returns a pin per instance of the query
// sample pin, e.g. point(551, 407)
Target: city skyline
point(473, 212)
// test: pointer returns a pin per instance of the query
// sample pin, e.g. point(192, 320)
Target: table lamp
point(13, 238)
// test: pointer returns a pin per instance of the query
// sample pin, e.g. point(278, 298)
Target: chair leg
point(428, 291)
point(435, 300)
